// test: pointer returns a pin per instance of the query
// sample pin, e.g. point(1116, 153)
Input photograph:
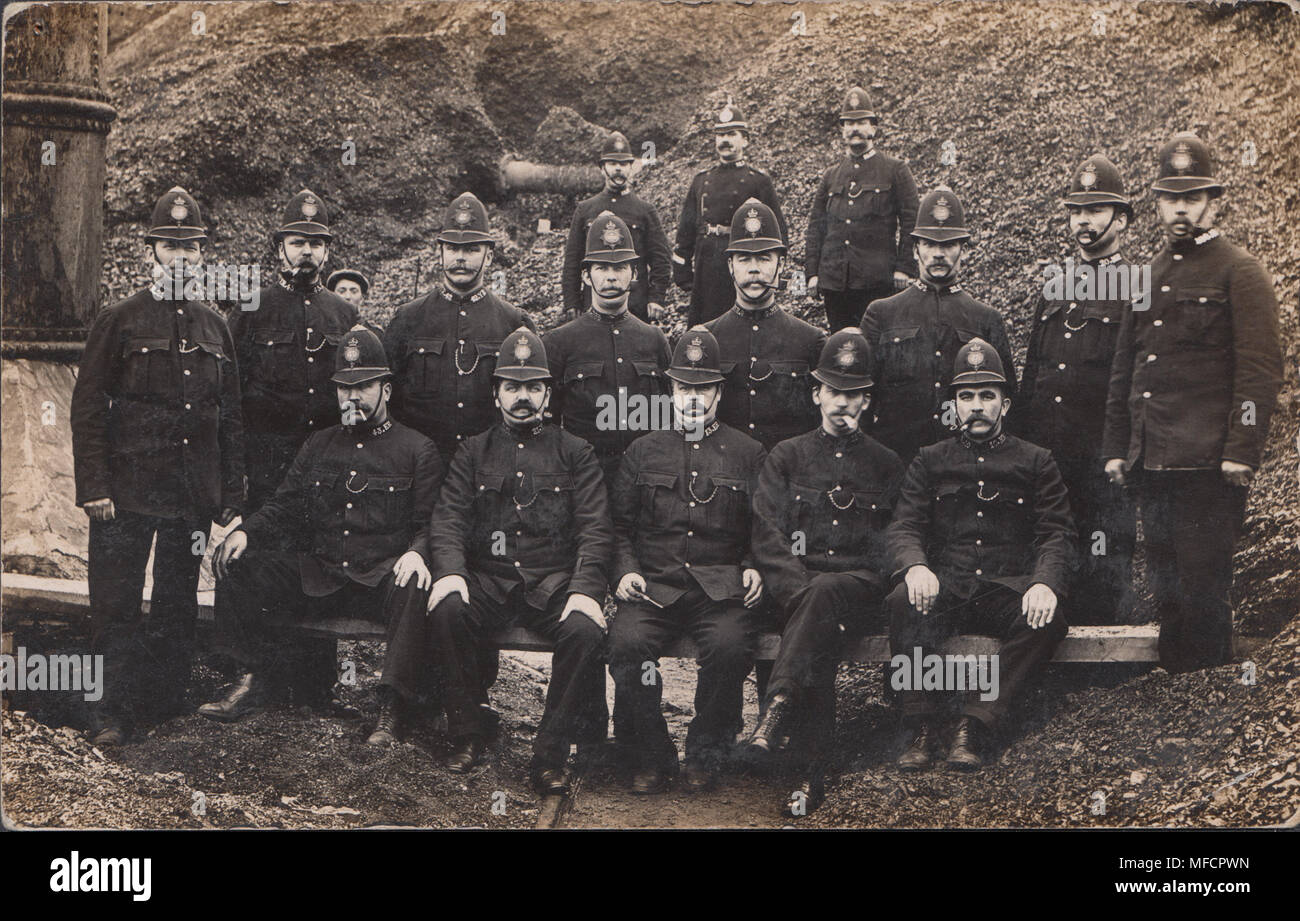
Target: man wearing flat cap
point(350, 285)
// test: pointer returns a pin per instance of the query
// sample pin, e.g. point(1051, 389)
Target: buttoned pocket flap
point(553, 482)
point(486, 349)
point(899, 334)
point(650, 478)
point(582, 370)
point(426, 346)
point(387, 484)
point(138, 345)
point(647, 368)
point(273, 337)
point(490, 482)
point(791, 368)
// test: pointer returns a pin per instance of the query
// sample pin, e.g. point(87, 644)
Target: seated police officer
point(682, 519)
point(521, 535)
point(820, 514)
point(983, 536)
point(355, 501)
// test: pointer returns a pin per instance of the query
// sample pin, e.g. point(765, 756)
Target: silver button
point(979, 542)
point(311, 389)
point(619, 360)
point(979, 572)
point(692, 505)
point(187, 405)
point(831, 552)
point(835, 522)
point(1151, 357)
point(185, 441)
point(346, 533)
point(1146, 394)
point(519, 473)
point(460, 405)
point(981, 460)
point(753, 393)
point(839, 453)
point(1178, 257)
point(358, 444)
point(1068, 335)
point(310, 359)
point(180, 310)
point(690, 533)
point(345, 564)
point(687, 565)
point(521, 444)
point(517, 563)
point(1057, 399)
point(755, 329)
point(1061, 366)
point(187, 372)
point(349, 505)
point(1164, 287)
point(1157, 322)
point(979, 514)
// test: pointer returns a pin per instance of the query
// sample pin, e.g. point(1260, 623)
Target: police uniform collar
point(1207, 237)
point(471, 298)
point(757, 313)
point(992, 444)
point(378, 430)
point(316, 287)
point(864, 156)
point(1113, 258)
point(708, 430)
point(923, 285)
point(837, 440)
point(610, 317)
point(529, 431)
point(732, 163)
point(616, 195)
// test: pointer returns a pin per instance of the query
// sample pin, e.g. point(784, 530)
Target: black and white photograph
point(651, 415)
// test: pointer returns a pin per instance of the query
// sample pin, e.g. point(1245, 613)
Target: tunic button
point(1020, 502)
point(1043, 317)
point(581, 375)
point(462, 313)
point(1105, 319)
point(830, 552)
point(180, 310)
point(695, 473)
point(1061, 366)
point(979, 572)
point(307, 300)
point(346, 533)
point(978, 542)
point(846, 242)
point(1178, 257)
point(692, 505)
point(616, 333)
point(268, 342)
point(517, 563)
point(187, 372)
point(1157, 322)
point(1151, 357)
point(937, 384)
point(688, 565)
point(353, 473)
point(187, 405)
point(185, 441)
point(1202, 300)
point(1164, 287)
point(936, 415)
point(981, 483)
point(1067, 335)
point(695, 447)
point(311, 389)
point(755, 329)
point(936, 354)
point(358, 444)
point(345, 564)
point(520, 445)
point(519, 473)
point(1057, 398)
point(839, 453)
point(349, 505)
point(421, 348)
point(753, 393)
point(896, 339)
point(1146, 394)
point(690, 533)
point(751, 425)
point(619, 360)
point(753, 358)
point(318, 482)
point(979, 514)
point(481, 488)
point(981, 460)
point(1073, 305)
point(835, 522)
point(460, 405)
point(310, 359)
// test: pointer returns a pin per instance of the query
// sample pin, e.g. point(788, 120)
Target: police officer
point(653, 259)
point(857, 248)
point(521, 534)
point(1192, 389)
point(606, 355)
point(700, 256)
point(442, 346)
point(1067, 375)
point(350, 285)
point(916, 333)
point(158, 452)
point(682, 520)
point(833, 488)
point(286, 349)
point(359, 496)
point(767, 354)
point(983, 539)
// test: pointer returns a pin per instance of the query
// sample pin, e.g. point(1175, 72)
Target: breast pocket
point(1203, 319)
point(485, 356)
point(388, 503)
point(206, 365)
point(274, 349)
point(322, 346)
point(579, 373)
point(728, 509)
point(549, 509)
point(146, 365)
point(649, 378)
point(878, 200)
point(790, 383)
point(422, 358)
point(902, 355)
point(658, 493)
point(487, 513)
point(1099, 333)
point(325, 501)
point(803, 507)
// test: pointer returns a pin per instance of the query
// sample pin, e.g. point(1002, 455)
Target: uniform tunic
point(442, 349)
point(767, 357)
point(704, 231)
point(654, 271)
point(915, 336)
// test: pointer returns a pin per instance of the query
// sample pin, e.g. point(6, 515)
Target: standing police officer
point(441, 347)
point(1192, 388)
point(1067, 375)
point(820, 513)
point(682, 521)
point(983, 538)
point(521, 534)
point(700, 263)
point(857, 248)
point(158, 452)
point(653, 257)
point(915, 334)
point(359, 495)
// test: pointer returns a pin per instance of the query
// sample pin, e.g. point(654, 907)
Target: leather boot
point(245, 697)
point(111, 736)
point(917, 756)
point(465, 754)
point(967, 745)
point(767, 735)
point(549, 779)
point(390, 719)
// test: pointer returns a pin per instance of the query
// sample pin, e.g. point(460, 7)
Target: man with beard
point(651, 265)
point(350, 285)
point(820, 513)
point(357, 500)
point(158, 453)
point(983, 539)
point(521, 534)
point(915, 334)
point(682, 521)
point(1067, 375)
point(700, 263)
point(857, 247)
point(442, 346)
point(1192, 389)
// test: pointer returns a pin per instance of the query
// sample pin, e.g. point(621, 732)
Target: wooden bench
point(24, 595)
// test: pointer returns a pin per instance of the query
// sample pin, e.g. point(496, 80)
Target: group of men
point(758, 475)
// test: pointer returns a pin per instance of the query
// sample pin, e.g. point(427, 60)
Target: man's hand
point(922, 587)
point(1237, 474)
point(752, 579)
point(410, 564)
point(902, 280)
point(631, 588)
point(1116, 467)
point(585, 604)
point(655, 311)
point(100, 509)
point(1038, 605)
point(229, 550)
point(812, 286)
point(445, 587)
point(227, 516)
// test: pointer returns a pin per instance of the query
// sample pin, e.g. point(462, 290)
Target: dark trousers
point(725, 634)
point(845, 308)
point(712, 291)
point(266, 584)
point(1190, 523)
point(1101, 591)
point(575, 708)
point(993, 610)
point(147, 657)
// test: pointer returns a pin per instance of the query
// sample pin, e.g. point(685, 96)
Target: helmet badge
point(619, 145)
point(523, 351)
point(725, 115)
point(309, 207)
point(611, 235)
point(847, 355)
point(352, 351)
point(752, 223)
point(179, 212)
point(854, 101)
point(1088, 178)
point(695, 351)
point(976, 356)
point(462, 213)
point(941, 211)
point(1181, 161)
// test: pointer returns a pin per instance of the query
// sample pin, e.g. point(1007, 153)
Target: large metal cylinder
point(56, 121)
point(526, 176)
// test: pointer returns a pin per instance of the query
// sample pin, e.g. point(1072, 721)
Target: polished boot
point(649, 780)
point(390, 720)
point(549, 779)
point(767, 735)
point(111, 736)
point(917, 756)
point(699, 775)
point(465, 754)
point(967, 745)
point(245, 697)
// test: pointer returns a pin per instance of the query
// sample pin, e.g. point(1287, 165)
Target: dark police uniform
point(1194, 383)
point(767, 354)
point(682, 518)
point(990, 519)
point(537, 496)
point(596, 355)
point(862, 213)
point(442, 346)
point(1063, 395)
point(915, 336)
point(356, 498)
point(700, 256)
point(654, 258)
point(286, 351)
point(156, 428)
